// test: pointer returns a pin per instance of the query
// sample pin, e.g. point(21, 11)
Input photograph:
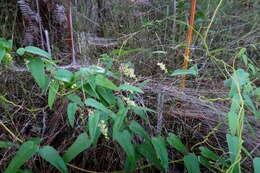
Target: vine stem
point(10, 132)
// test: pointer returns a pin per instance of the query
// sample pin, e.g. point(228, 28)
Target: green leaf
point(240, 77)
point(2, 54)
point(146, 149)
point(249, 103)
point(47, 83)
point(257, 114)
point(36, 140)
point(235, 102)
point(233, 146)
point(191, 163)
point(37, 51)
point(252, 69)
point(119, 120)
point(26, 151)
point(5, 144)
point(159, 52)
point(234, 152)
point(257, 91)
point(71, 111)
point(257, 164)
point(107, 94)
point(75, 98)
point(175, 142)
point(242, 51)
point(93, 103)
point(124, 139)
point(192, 71)
point(140, 112)
point(205, 152)
point(130, 88)
point(36, 67)
point(64, 75)
point(6, 44)
point(24, 171)
point(101, 80)
point(20, 51)
point(52, 156)
point(232, 122)
point(93, 125)
point(54, 87)
point(203, 161)
point(81, 144)
point(243, 55)
point(91, 70)
point(122, 52)
point(161, 150)
point(138, 129)
point(90, 90)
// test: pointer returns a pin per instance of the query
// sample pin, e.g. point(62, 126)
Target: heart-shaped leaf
point(192, 71)
point(37, 51)
point(64, 75)
point(36, 67)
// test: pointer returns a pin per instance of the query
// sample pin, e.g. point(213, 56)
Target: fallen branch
point(15, 68)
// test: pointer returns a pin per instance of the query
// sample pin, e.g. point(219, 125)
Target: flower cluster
point(103, 128)
point(129, 102)
point(127, 71)
point(162, 67)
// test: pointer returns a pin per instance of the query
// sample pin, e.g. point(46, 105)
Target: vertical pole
point(70, 31)
point(189, 41)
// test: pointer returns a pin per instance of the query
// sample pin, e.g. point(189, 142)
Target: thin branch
point(47, 41)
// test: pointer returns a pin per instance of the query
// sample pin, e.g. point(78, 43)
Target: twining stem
point(189, 41)
point(10, 132)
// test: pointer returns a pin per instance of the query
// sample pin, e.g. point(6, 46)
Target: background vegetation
point(120, 107)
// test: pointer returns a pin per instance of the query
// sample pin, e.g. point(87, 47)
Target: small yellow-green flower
point(129, 102)
point(7, 58)
point(162, 67)
point(73, 86)
point(103, 128)
point(90, 112)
